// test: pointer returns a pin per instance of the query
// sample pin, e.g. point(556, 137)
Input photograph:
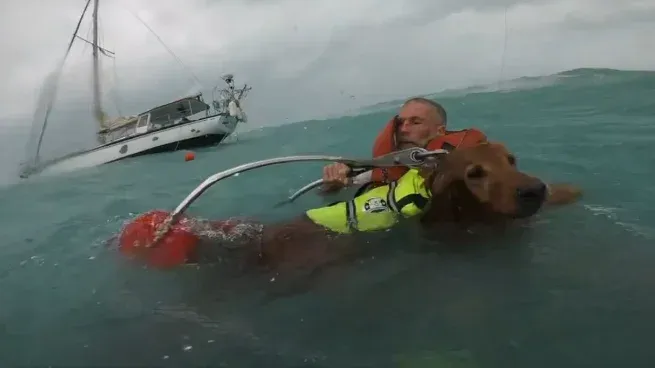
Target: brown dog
point(470, 185)
point(482, 184)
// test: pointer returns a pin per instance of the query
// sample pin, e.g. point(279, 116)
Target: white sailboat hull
point(197, 133)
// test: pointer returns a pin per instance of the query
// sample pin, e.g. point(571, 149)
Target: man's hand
point(335, 177)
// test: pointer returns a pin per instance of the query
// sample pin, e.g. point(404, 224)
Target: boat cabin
point(164, 116)
point(172, 113)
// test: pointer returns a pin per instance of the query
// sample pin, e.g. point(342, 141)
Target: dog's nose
point(533, 193)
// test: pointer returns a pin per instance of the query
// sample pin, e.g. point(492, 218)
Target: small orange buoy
point(190, 156)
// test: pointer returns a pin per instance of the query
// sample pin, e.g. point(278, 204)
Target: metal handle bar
point(410, 157)
point(421, 155)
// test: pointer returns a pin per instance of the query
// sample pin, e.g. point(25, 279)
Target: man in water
point(419, 122)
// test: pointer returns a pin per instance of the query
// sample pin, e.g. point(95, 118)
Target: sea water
point(573, 289)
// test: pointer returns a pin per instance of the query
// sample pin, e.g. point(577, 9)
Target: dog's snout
point(532, 192)
point(530, 198)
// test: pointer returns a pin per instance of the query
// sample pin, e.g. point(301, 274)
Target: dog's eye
point(476, 172)
point(512, 160)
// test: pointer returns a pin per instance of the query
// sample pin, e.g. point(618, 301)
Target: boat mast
point(52, 87)
point(96, 73)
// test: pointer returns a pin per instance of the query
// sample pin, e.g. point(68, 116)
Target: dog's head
point(482, 182)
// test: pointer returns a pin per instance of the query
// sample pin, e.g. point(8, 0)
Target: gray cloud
point(614, 15)
point(307, 59)
point(425, 11)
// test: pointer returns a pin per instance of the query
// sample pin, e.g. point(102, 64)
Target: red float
point(174, 249)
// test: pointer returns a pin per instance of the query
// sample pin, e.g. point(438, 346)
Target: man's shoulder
point(470, 134)
point(465, 130)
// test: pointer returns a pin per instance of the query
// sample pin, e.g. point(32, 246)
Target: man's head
point(419, 121)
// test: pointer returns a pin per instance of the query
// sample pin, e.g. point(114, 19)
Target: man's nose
point(403, 127)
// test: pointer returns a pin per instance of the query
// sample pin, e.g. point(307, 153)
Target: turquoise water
point(573, 289)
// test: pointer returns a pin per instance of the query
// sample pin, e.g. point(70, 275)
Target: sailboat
point(185, 123)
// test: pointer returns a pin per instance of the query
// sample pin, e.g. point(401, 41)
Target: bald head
point(438, 109)
point(419, 121)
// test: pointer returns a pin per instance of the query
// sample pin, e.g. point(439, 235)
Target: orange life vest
point(386, 143)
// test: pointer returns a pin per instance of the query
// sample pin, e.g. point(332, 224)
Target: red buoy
point(189, 156)
point(172, 250)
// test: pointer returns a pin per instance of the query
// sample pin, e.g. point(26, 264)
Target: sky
point(308, 59)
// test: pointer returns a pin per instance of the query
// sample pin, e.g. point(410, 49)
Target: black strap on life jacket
point(418, 200)
point(395, 206)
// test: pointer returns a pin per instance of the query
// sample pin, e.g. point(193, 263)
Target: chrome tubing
point(416, 154)
point(317, 183)
point(163, 228)
point(411, 157)
point(301, 191)
point(250, 166)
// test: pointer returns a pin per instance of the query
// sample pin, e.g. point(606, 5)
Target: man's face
point(418, 124)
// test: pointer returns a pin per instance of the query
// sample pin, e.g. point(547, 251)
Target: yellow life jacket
point(376, 209)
